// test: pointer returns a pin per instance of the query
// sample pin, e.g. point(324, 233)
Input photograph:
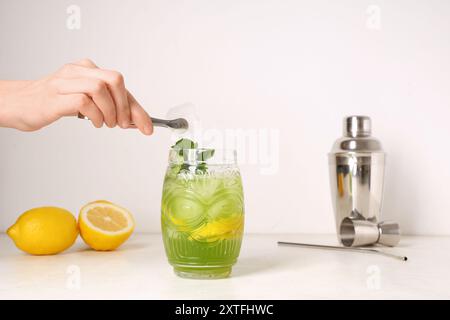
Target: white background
point(295, 67)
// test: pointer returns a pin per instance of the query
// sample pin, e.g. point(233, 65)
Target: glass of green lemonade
point(202, 211)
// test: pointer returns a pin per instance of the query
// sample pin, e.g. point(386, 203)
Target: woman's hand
point(79, 87)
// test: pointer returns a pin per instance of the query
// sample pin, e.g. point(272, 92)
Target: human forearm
point(6, 86)
point(79, 87)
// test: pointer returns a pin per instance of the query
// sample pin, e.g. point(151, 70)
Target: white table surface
point(139, 270)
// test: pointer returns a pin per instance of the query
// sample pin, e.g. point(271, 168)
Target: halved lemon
point(104, 225)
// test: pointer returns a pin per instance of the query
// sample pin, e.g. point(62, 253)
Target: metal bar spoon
point(178, 124)
point(353, 249)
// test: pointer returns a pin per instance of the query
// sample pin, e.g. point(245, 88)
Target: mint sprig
point(183, 144)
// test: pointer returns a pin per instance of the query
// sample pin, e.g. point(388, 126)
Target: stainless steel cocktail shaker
point(356, 164)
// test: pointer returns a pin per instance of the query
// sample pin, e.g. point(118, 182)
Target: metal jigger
point(355, 233)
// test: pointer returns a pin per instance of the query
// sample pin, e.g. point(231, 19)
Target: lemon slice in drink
point(219, 229)
point(105, 226)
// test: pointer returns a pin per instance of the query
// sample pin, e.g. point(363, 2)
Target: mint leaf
point(184, 143)
point(184, 167)
point(201, 168)
point(205, 155)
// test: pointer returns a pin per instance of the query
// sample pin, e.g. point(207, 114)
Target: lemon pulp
point(105, 226)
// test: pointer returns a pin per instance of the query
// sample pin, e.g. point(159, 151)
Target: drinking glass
point(202, 213)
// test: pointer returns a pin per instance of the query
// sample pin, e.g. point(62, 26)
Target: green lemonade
point(202, 220)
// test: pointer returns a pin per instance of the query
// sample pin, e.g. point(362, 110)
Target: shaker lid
point(357, 126)
point(357, 137)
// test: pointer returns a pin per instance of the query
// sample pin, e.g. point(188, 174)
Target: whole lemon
point(45, 230)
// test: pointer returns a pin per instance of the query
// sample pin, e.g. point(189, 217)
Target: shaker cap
point(357, 126)
point(357, 137)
